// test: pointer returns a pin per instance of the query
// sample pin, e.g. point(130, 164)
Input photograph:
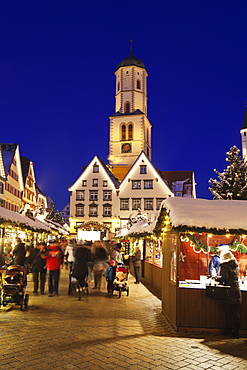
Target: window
point(107, 210)
point(136, 184)
point(136, 203)
point(148, 204)
point(95, 168)
point(80, 194)
point(79, 210)
point(143, 169)
point(95, 182)
point(104, 182)
point(127, 107)
point(123, 134)
point(107, 195)
point(148, 184)
point(158, 202)
point(93, 210)
point(84, 182)
point(178, 194)
point(93, 194)
point(138, 84)
point(130, 131)
point(118, 86)
point(124, 204)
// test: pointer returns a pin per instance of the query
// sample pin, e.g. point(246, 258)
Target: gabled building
point(107, 195)
point(91, 196)
point(29, 192)
point(65, 213)
point(14, 181)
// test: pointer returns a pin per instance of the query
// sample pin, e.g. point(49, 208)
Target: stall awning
point(20, 220)
point(207, 215)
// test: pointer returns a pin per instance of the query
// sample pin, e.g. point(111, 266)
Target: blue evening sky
point(57, 83)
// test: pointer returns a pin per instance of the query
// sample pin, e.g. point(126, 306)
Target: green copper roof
point(131, 60)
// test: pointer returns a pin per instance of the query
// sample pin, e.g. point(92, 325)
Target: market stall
point(31, 230)
point(192, 229)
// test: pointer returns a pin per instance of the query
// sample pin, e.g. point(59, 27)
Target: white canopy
point(208, 214)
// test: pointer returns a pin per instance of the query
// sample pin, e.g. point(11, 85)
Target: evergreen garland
point(234, 247)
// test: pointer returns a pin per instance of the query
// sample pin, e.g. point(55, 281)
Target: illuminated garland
point(92, 224)
point(198, 246)
point(8, 223)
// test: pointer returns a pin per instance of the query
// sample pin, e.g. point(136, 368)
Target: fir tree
point(232, 183)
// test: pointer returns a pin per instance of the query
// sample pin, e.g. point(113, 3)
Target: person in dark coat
point(80, 267)
point(38, 265)
point(19, 253)
point(137, 264)
point(229, 276)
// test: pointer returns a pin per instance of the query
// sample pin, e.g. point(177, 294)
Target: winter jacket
point(137, 259)
point(214, 264)
point(100, 254)
point(110, 273)
point(53, 256)
point(38, 263)
point(117, 256)
point(82, 257)
point(19, 254)
point(229, 276)
point(69, 253)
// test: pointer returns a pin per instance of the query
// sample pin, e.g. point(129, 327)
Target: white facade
point(142, 188)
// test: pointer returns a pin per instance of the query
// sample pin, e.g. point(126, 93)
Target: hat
point(223, 248)
point(112, 263)
point(227, 257)
point(118, 245)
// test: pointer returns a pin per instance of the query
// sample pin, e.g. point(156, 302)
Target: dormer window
point(95, 168)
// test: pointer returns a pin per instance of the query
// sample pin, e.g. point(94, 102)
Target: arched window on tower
point(118, 86)
point(130, 131)
point(138, 84)
point(127, 107)
point(123, 133)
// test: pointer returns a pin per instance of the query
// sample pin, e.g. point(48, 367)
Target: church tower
point(130, 129)
point(243, 133)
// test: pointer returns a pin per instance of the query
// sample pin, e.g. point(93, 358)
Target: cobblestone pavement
point(101, 332)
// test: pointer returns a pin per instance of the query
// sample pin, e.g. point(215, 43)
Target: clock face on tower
point(126, 148)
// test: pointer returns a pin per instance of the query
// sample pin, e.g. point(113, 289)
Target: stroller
point(14, 287)
point(77, 285)
point(120, 282)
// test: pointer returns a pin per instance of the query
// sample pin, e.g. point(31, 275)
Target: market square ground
point(101, 332)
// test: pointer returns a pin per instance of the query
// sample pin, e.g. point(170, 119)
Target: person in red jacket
point(54, 258)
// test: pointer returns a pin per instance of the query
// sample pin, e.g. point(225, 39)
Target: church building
point(105, 196)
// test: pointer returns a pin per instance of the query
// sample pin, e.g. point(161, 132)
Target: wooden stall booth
point(192, 230)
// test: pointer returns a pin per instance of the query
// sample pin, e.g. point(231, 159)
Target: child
point(110, 275)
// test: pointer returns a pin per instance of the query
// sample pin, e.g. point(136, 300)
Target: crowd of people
point(82, 259)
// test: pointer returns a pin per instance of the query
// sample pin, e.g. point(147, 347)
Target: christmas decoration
point(232, 183)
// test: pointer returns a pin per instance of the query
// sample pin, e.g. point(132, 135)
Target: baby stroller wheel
point(22, 304)
point(26, 300)
point(128, 291)
point(119, 293)
point(79, 294)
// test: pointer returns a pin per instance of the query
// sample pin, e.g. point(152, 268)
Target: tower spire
point(131, 52)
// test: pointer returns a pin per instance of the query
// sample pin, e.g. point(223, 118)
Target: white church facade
point(104, 196)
